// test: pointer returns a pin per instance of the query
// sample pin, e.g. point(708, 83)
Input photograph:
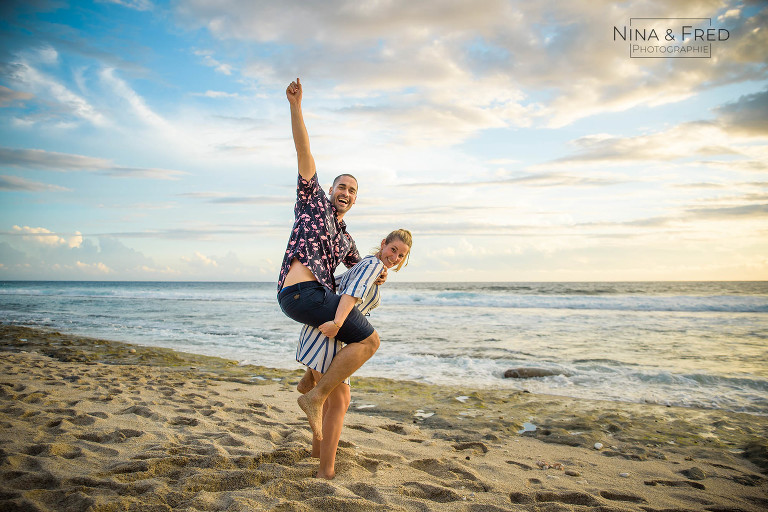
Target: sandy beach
point(105, 426)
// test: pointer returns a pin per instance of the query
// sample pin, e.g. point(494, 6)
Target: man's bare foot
point(306, 383)
point(326, 476)
point(314, 411)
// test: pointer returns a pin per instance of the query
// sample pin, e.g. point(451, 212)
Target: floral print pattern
point(318, 239)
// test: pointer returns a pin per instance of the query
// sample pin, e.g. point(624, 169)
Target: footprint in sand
point(397, 429)
point(473, 445)
point(82, 420)
point(520, 465)
point(429, 492)
point(362, 428)
point(141, 410)
point(452, 473)
point(367, 492)
point(223, 481)
point(117, 436)
point(618, 496)
point(26, 481)
point(63, 450)
point(676, 483)
point(184, 421)
point(564, 497)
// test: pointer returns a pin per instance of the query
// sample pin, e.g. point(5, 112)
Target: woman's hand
point(329, 329)
point(383, 277)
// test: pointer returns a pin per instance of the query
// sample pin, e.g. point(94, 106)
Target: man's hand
point(293, 92)
point(383, 277)
point(329, 329)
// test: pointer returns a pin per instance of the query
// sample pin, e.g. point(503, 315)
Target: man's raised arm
point(300, 135)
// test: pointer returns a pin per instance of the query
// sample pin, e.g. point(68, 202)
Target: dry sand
point(105, 426)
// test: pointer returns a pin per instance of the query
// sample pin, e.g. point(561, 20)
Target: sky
point(518, 141)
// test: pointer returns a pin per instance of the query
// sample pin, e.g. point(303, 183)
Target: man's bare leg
point(346, 362)
point(307, 382)
point(336, 406)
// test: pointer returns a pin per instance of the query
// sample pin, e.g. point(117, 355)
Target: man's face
point(344, 194)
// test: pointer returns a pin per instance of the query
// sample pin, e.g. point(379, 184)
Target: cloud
point(455, 68)
point(93, 268)
point(138, 106)
point(8, 96)
point(704, 139)
point(38, 159)
point(208, 60)
point(17, 184)
point(200, 259)
point(62, 102)
point(138, 5)
point(532, 180)
point(218, 94)
point(747, 115)
point(222, 198)
point(12, 257)
point(751, 211)
point(47, 237)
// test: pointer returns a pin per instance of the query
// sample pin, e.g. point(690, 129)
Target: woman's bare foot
point(326, 476)
point(313, 408)
point(306, 383)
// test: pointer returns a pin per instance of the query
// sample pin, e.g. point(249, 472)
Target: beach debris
point(549, 465)
point(463, 399)
point(624, 475)
point(529, 373)
point(365, 406)
point(423, 415)
point(598, 446)
point(527, 427)
point(571, 472)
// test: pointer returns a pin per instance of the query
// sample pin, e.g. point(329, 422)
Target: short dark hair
point(337, 178)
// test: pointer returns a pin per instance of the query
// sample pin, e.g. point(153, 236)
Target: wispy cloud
point(18, 184)
point(210, 61)
point(222, 198)
point(217, 94)
point(137, 104)
point(531, 180)
point(139, 5)
point(38, 159)
point(68, 104)
point(753, 210)
point(8, 96)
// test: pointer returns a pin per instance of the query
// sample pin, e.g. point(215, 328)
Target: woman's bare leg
point(344, 364)
point(306, 383)
point(335, 408)
point(315, 442)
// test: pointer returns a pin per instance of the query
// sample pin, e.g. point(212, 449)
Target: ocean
point(692, 344)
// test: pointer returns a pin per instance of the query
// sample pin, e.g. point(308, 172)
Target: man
point(318, 243)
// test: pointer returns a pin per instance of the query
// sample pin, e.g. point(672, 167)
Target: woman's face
point(391, 254)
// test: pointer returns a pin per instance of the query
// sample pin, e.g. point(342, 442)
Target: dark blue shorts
point(313, 304)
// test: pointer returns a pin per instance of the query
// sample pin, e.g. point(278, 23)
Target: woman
point(317, 349)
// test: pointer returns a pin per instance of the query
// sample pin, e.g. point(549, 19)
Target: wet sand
point(104, 426)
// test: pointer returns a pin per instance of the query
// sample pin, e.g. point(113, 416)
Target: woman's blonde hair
point(404, 236)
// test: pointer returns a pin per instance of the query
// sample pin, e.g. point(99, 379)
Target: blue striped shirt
point(316, 350)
